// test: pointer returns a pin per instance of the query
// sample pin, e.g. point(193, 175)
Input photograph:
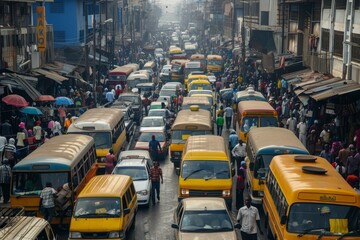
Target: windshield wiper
point(193, 172)
point(348, 234)
point(215, 174)
point(87, 215)
point(312, 230)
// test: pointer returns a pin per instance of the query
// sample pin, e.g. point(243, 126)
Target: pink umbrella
point(45, 98)
point(15, 100)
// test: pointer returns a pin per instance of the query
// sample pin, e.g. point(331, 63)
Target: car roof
point(134, 153)
point(132, 162)
point(153, 117)
point(158, 110)
point(207, 203)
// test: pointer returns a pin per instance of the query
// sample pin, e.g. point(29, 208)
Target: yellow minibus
point(106, 126)
point(193, 121)
point(306, 198)
point(193, 77)
point(253, 114)
point(215, 64)
point(199, 58)
point(64, 159)
point(261, 146)
point(202, 102)
point(200, 85)
point(105, 209)
point(205, 169)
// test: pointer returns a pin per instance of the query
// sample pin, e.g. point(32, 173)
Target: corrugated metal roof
point(342, 89)
point(297, 74)
point(52, 75)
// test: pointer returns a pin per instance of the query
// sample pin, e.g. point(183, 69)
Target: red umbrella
point(45, 98)
point(15, 100)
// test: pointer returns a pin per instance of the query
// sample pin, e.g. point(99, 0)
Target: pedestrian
point(302, 130)
point(344, 153)
point(228, 111)
point(68, 122)
point(240, 185)
point(110, 96)
point(37, 131)
point(154, 148)
point(117, 91)
point(155, 177)
point(110, 162)
point(10, 152)
point(62, 114)
point(233, 139)
point(291, 123)
point(239, 153)
point(47, 202)
point(353, 162)
point(325, 135)
point(3, 142)
point(21, 140)
point(57, 128)
point(146, 104)
point(63, 202)
point(219, 124)
point(5, 179)
point(325, 153)
point(249, 219)
point(6, 128)
point(311, 142)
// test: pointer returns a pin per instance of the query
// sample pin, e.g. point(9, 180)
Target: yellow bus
point(65, 159)
point(193, 121)
point(177, 53)
point(178, 70)
point(105, 209)
point(202, 102)
point(215, 64)
point(261, 146)
point(201, 84)
point(205, 169)
point(306, 198)
point(199, 58)
point(106, 126)
point(193, 77)
point(253, 114)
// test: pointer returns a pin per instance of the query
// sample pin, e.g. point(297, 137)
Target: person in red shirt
point(155, 177)
point(117, 92)
point(110, 162)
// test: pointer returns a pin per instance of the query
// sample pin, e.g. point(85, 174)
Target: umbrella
point(45, 98)
point(15, 100)
point(63, 101)
point(31, 110)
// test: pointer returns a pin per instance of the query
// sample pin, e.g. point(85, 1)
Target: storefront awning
point(51, 75)
point(22, 82)
point(297, 74)
point(344, 88)
point(60, 67)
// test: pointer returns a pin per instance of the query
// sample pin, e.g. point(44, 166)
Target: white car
point(152, 123)
point(139, 170)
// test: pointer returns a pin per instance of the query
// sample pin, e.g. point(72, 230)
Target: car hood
point(208, 236)
point(145, 145)
point(141, 185)
point(152, 129)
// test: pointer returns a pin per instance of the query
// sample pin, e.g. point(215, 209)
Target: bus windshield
point(31, 183)
point(200, 87)
point(205, 170)
point(268, 122)
point(102, 139)
point(322, 218)
point(97, 207)
point(215, 62)
point(180, 136)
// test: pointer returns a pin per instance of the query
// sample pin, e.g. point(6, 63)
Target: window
point(59, 36)
point(265, 18)
point(277, 195)
point(57, 6)
point(340, 4)
point(325, 40)
point(355, 50)
point(357, 4)
point(128, 196)
point(327, 4)
point(338, 43)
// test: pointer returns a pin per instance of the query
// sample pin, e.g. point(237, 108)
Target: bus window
point(268, 122)
point(249, 122)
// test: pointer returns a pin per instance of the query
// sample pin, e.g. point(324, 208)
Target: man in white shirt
point(110, 97)
point(3, 142)
point(291, 124)
point(249, 219)
point(238, 152)
point(57, 128)
point(228, 111)
point(302, 129)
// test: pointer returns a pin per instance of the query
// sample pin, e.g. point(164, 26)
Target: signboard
point(41, 28)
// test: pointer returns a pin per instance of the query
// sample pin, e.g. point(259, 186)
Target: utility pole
point(86, 41)
point(94, 46)
point(113, 35)
point(100, 41)
point(233, 24)
point(283, 27)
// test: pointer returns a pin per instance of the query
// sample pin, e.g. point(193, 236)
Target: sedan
point(203, 218)
point(152, 123)
point(145, 137)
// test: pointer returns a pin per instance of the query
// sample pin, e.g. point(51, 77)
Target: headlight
point(75, 235)
point(114, 235)
point(226, 193)
point(184, 191)
point(121, 235)
point(143, 192)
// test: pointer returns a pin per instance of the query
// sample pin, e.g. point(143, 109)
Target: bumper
point(143, 200)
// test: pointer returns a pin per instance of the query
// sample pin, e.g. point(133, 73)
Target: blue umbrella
point(63, 101)
point(31, 110)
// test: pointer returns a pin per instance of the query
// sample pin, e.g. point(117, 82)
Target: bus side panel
point(273, 221)
point(119, 144)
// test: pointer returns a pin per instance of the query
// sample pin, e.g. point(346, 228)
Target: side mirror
point(175, 226)
point(252, 165)
point(283, 219)
point(177, 171)
point(126, 211)
point(232, 171)
point(237, 225)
